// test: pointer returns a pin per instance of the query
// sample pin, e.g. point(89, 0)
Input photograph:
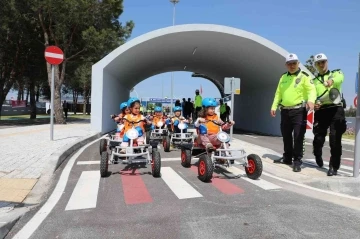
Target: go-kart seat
point(197, 139)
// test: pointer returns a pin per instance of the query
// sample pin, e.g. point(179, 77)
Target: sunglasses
point(291, 63)
point(320, 62)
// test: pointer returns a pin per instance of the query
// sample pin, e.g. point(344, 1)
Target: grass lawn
point(349, 136)
point(24, 120)
point(24, 117)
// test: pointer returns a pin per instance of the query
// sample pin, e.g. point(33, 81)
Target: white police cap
point(320, 57)
point(291, 57)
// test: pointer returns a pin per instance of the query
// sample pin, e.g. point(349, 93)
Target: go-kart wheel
point(104, 163)
point(166, 143)
point(155, 164)
point(103, 145)
point(186, 158)
point(255, 167)
point(205, 168)
point(148, 133)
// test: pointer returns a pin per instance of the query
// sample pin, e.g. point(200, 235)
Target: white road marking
point(250, 136)
point(85, 192)
point(312, 188)
point(31, 226)
point(177, 184)
point(259, 182)
point(88, 162)
point(350, 159)
point(171, 159)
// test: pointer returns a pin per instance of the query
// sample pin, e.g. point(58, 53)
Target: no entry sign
point(355, 101)
point(54, 55)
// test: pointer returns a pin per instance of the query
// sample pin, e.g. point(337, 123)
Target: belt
point(330, 106)
point(298, 106)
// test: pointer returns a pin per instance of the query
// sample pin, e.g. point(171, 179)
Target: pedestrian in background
point(66, 108)
point(198, 103)
point(295, 93)
point(222, 110)
point(328, 114)
point(228, 112)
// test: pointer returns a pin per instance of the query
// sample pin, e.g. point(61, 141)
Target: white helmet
point(320, 57)
point(291, 57)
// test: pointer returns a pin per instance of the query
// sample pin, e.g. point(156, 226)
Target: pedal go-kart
point(220, 157)
point(110, 141)
point(157, 134)
point(178, 139)
point(135, 154)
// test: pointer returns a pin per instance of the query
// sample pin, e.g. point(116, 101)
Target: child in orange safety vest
point(158, 117)
point(134, 116)
point(208, 130)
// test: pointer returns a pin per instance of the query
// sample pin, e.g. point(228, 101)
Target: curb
point(346, 142)
point(8, 220)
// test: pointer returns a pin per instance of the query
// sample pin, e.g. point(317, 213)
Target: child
point(209, 130)
point(124, 110)
point(176, 120)
point(134, 116)
point(120, 128)
point(158, 117)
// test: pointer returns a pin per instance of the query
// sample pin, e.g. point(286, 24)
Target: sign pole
point(232, 107)
point(52, 103)
point(54, 56)
point(357, 132)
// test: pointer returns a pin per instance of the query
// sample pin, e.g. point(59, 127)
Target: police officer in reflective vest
point(328, 113)
point(197, 104)
point(294, 94)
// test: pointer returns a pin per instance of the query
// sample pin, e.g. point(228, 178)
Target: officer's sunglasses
point(291, 63)
point(321, 62)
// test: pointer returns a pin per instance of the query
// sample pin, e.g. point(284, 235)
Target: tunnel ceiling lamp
point(194, 50)
point(184, 67)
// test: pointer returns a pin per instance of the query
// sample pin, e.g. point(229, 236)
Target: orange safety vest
point(173, 121)
point(211, 127)
point(157, 119)
point(133, 118)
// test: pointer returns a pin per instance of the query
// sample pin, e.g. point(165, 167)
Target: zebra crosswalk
point(179, 181)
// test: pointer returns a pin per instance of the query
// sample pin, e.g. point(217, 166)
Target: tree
point(11, 38)
point(310, 65)
point(150, 106)
point(84, 30)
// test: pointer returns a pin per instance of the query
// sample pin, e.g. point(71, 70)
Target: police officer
point(197, 104)
point(294, 89)
point(328, 114)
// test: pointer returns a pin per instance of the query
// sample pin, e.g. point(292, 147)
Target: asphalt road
point(179, 205)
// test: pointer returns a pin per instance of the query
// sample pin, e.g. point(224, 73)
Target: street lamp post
point(172, 73)
point(133, 89)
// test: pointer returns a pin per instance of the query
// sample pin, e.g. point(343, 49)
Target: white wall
point(252, 111)
point(106, 97)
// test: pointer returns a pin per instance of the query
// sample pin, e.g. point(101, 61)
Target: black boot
point(330, 171)
point(297, 166)
point(319, 161)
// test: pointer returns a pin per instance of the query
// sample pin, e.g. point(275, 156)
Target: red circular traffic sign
point(355, 101)
point(54, 55)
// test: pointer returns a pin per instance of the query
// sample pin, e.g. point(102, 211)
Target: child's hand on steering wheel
point(201, 120)
point(231, 122)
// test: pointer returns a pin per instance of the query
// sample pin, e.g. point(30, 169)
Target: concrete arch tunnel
point(214, 51)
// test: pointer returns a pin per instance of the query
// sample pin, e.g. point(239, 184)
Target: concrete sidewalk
point(310, 175)
point(29, 158)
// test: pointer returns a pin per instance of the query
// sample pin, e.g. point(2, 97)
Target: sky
point(304, 27)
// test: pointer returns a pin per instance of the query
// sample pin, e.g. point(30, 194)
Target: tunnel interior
point(211, 50)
